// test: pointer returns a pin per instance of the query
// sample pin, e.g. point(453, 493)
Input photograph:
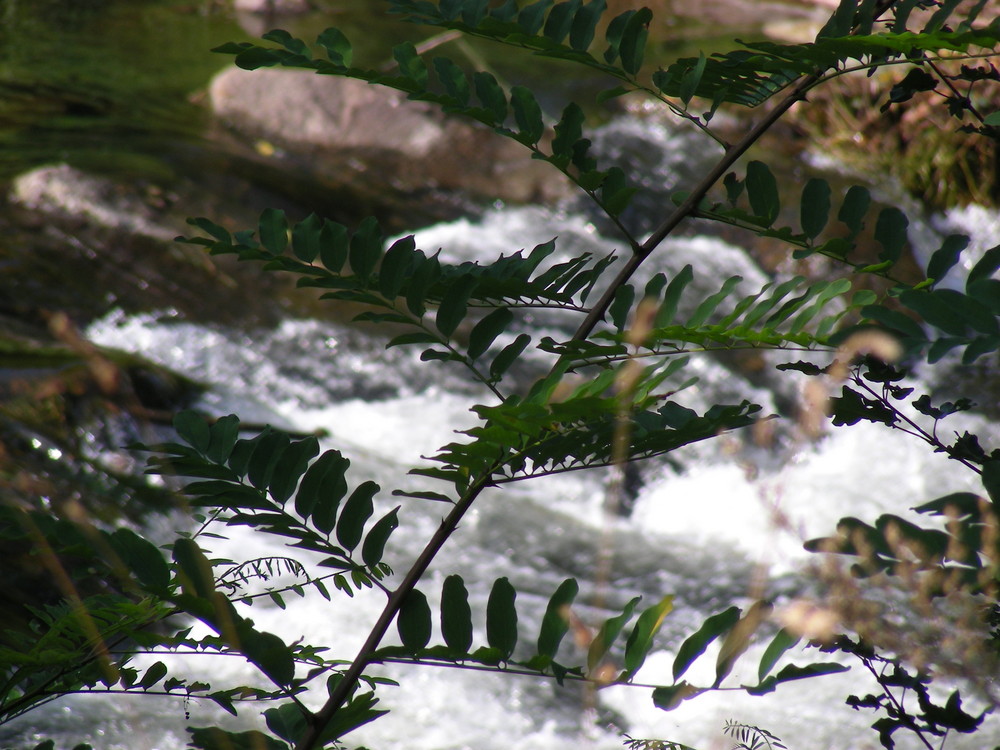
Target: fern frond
point(750, 737)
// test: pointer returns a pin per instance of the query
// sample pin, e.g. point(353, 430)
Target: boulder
point(282, 7)
point(84, 243)
point(349, 131)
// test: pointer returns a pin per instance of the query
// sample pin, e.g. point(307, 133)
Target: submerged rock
point(353, 132)
point(83, 244)
point(285, 7)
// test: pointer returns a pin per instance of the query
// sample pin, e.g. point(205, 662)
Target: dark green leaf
point(453, 79)
point(793, 672)
point(935, 309)
point(671, 696)
point(366, 248)
point(633, 40)
point(416, 337)
point(143, 558)
point(410, 63)
point(568, 130)
point(668, 310)
point(455, 304)
point(374, 546)
point(486, 331)
point(696, 644)
point(293, 464)
point(287, 721)
point(841, 22)
point(890, 231)
point(815, 209)
point(473, 11)
point(396, 266)
point(527, 115)
point(267, 651)
point(337, 47)
point(306, 240)
point(640, 640)
point(357, 510)
point(414, 621)
point(214, 738)
point(501, 618)
point(853, 209)
point(154, 673)
point(265, 457)
point(506, 12)
point(287, 41)
point(194, 571)
point(944, 258)
point(691, 79)
point(456, 615)
point(273, 230)
point(490, 96)
point(991, 480)
point(736, 642)
point(607, 634)
point(333, 246)
point(621, 306)
point(734, 188)
point(193, 428)
point(427, 272)
point(985, 267)
point(253, 58)
point(321, 490)
point(894, 320)
point(555, 623)
point(614, 35)
point(508, 355)
point(762, 190)
point(532, 16)
point(585, 23)
point(560, 20)
point(216, 231)
point(223, 435)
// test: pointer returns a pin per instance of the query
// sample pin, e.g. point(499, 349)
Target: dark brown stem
point(340, 694)
point(690, 204)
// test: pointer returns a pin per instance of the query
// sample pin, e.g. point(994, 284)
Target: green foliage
point(631, 349)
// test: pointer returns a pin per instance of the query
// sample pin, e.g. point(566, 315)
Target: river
point(387, 409)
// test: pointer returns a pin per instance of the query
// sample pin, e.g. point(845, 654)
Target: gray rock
point(84, 243)
point(68, 192)
point(351, 132)
point(283, 7)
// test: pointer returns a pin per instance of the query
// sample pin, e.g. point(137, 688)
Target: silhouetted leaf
point(456, 615)
point(815, 208)
point(696, 644)
point(762, 190)
point(501, 618)
point(357, 510)
point(414, 621)
point(374, 545)
point(555, 622)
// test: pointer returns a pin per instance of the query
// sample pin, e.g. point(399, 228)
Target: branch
point(322, 718)
point(690, 204)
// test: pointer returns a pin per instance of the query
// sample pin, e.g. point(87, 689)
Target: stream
point(719, 522)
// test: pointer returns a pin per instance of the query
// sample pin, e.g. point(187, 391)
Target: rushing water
point(708, 532)
point(723, 521)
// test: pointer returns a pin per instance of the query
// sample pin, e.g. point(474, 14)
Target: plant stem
point(690, 204)
point(319, 721)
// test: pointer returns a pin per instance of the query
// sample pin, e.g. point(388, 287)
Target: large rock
point(84, 243)
point(351, 131)
point(272, 6)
